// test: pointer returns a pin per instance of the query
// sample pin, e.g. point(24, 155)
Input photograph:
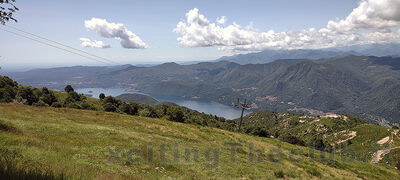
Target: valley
point(362, 86)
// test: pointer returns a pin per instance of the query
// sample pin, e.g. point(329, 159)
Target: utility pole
point(243, 106)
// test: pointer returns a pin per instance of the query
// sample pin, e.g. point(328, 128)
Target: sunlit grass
point(74, 143)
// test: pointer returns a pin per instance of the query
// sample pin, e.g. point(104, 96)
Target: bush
point(317, 143)
point(73, 97)
point(26, 93)
point(8, 89)
point(6, 81)
point(175, 114)
point(279, 174)
point(102, 96)
point(7, 94)
point(48, 98)
point(68, 88)
point(125, 108)
point(57, 105)
point(109, 107)
point(112, 100)
point(293, 140)
point(87, 105)
point(131, 108)
point(40, 103)
point(73, 105)
point(259, 131)
point(149, 112)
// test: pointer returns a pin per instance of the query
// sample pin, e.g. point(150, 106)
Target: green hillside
point(332, 133)
point(77, 144)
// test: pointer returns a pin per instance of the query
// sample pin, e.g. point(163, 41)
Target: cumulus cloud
point(85, 42)
point(373, 21)
point(117, 31)
point(221, 20)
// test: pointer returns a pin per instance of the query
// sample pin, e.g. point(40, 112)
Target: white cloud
point(373, 21)
point(221, 20)
point(105, 29)
point(85, 42)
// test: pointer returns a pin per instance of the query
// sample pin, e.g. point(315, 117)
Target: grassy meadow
point(62, 143)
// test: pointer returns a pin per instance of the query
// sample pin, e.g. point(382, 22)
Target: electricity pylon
point(243, 106)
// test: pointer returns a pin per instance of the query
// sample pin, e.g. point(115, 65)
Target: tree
point(27, 94)
point(102, 96)
point(114, 101)
point(68, 88)
point(109, 107)
point(73, 97)
point(7, 9)
point(125, 108)
point(8, 89)
point(48, 97)
point(175, 114)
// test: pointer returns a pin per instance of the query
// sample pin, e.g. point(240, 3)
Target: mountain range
point(269, 55)
point(364, 86)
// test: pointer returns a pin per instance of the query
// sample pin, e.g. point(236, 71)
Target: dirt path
point(351, 135)
point(378, 155)
point(384, 140)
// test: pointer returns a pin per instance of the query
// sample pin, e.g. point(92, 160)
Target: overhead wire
point(41, 37)
point(57, 47)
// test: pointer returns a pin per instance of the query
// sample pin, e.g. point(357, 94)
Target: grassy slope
point(74, 142)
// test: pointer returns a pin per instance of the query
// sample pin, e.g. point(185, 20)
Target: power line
point(60, 44)
point(55, 46)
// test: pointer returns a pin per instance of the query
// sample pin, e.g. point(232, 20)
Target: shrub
point(148, 112)
point(6, 81)
point(68, 88)
point(57, 105)
point(40, 103)
point(7, 94)
point(279, 174)
point(27, 94)
point(8, 127)
point(48, 98)
point(259, 131)
point(293, 140)
point(73, 105)
point(73, 97)
point(109, 107)
point(115, 101)
point(125, 108)
point(313, 171)
point(317, 143)
point(175, 114)
point(102, 96)
point(87, 105)
point(134, 108)
point(8, 89)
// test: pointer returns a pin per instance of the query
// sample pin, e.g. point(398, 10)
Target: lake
point(201, 105)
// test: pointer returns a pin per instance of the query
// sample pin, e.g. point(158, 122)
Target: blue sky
point(153, 22)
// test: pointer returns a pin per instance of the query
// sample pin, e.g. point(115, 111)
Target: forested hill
point(363, 86)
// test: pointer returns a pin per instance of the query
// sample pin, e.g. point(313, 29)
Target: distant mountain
point(266, 56)
point(364, 86)
point(385, 49)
